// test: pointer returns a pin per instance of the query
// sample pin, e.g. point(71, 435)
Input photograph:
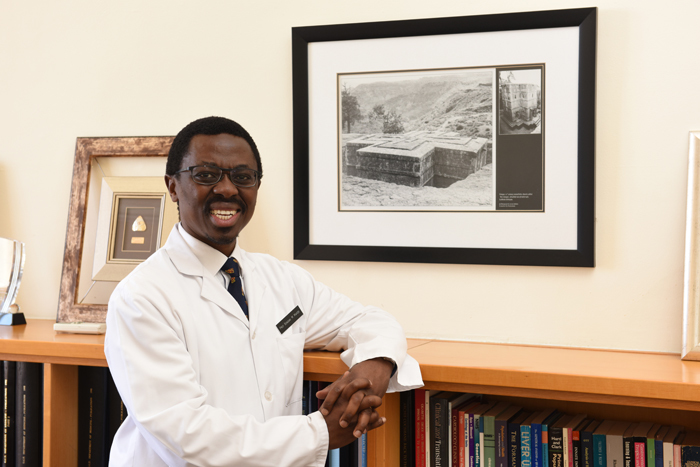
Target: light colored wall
point(134, 67)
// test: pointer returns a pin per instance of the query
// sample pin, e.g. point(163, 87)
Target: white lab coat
point(203, 385)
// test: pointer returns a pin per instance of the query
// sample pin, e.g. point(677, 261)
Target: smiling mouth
point(224, 214)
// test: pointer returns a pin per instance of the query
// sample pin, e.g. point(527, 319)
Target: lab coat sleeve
point(337, 323)
point(155, 377)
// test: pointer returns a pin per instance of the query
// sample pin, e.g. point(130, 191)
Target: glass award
point(11, 266)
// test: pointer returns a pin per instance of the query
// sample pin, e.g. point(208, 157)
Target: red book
point(420, 427)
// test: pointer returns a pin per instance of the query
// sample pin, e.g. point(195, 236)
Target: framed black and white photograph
point(448, 140)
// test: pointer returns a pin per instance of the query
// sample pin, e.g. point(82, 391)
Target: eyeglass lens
point(207, 175)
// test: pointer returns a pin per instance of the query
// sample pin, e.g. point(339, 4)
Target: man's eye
point(243, 177)
point(206, 175)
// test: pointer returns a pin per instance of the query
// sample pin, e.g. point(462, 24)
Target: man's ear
point(172, 189)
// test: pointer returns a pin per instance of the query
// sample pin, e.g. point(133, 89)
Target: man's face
point(215, 214)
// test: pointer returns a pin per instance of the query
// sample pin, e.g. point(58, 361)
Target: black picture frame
point(584, 19)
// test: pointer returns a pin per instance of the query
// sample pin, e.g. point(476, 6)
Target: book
point(659, 445)
point(8, 449)
point(489, 431)
point(576, 441)
point(438, 422)
point(613, 440)
point(568, 439)
point(640, 443)
point(420, 430)
point(541, 417)
point(347, 455)
point(550, 420)
point(407, 429)
point(556, 441)
point(514, 458)
point(526, 441)
point(456, 407)
point(599, 447)
point(463, 432)
point(501, 428)
point(690, 449)
point(29, 403)
point(92, 410)
point(628, 445)
point(651, 445)
point(441, 426)
point(476, 435)
point(673, 433)
point(587, 443)
point(362, 451)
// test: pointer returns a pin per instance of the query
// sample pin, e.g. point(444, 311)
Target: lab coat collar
point(195, 258)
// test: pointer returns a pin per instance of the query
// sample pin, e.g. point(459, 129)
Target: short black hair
point(206, 126)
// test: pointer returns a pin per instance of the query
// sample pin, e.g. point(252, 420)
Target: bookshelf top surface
point(544, 372)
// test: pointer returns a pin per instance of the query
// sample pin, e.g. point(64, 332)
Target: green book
point(489, 425)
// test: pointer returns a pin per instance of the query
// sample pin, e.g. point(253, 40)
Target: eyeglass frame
point(229, 172)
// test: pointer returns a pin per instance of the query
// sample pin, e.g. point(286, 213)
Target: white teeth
point(223, 214)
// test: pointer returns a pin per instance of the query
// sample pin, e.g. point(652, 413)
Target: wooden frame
point(87, 152)
point(307, 218)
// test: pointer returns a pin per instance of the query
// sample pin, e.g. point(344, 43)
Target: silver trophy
point(11, 266)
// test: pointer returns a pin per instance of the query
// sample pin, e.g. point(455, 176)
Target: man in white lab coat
point(206, 383)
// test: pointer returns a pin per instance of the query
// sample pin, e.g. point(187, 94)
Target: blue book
point(514, 438)
point(545, 417)
point(587, 443)
point(526, 443)
point(478, 432)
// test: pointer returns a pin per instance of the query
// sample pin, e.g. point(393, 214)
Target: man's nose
point(225, 186)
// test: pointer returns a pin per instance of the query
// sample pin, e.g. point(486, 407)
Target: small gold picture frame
point(111, 176)
point(130, 227)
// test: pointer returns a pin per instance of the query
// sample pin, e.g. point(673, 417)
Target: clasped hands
point(349, 403)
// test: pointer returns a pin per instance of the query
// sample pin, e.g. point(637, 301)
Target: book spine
point(92, 407)
point(545, 446)
point(462, 434)
point(525, 446)
point(455, 438)
point(8, 448)
point(587, 449)
point(407, 430)
point(363, 451)
point(690, 456)
point(659, 452)
point(439, 444)
point(628, 451)
point(514, 444)
point(536, 440)
point(470, 440)
point(420, 427)
point(489, 445)
point(501, 428)
point(599, 451)
point(556, 447)
point(640, 453)
point(576, 447)
point(568, 447)
point(28, 410)
point(477, 441)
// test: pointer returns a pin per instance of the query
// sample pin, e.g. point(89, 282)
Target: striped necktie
point(233, 269)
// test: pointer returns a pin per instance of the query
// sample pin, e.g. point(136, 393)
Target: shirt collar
point(211, 258)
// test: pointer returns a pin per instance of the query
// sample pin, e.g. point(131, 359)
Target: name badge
point(290, 319)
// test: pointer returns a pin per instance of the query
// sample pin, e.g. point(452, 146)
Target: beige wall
point(129, 68)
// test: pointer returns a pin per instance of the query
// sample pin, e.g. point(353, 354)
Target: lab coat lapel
point(187, 263)
point(255, 289)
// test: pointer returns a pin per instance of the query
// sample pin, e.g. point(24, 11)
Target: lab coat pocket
point(291, 350)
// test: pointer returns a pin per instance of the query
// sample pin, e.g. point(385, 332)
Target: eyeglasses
point(211, 175)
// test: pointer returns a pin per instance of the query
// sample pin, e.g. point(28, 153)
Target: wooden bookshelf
point(607, 384)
